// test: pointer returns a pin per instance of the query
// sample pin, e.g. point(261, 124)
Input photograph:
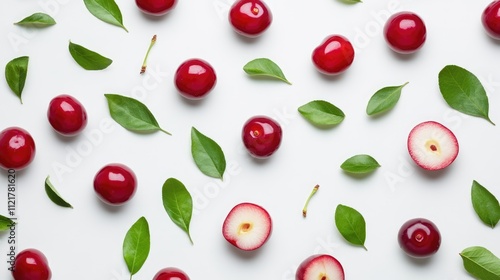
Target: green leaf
point(136, 245)
point(16, 72)
point(351, 225)
point(5, 223)
point(106, 10)
point(360, 164)
point(207, 155)
point(178, 204)
point(321, 113)
point(481, 263)
point(351, 1)
point(265, 67)
point(485, 204)
point(132, 114)
point(384, 99)
point(464, 92)
point(37, 20)
point(54, 195)
point(87, 59)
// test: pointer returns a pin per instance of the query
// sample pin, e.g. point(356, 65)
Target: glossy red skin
point(17, 148)
point(250, 18)
point(419, 238)
point(405, 32)
point(31, 264)
point(115, 184)
point(491, 19)
point(301, 270)
point(67, 115)
point(261, 136)
point(195, 78)
point(156, 7)
point(171, 273)
point(334, 55)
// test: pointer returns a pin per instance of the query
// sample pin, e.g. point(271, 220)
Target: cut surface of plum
point(432, 145)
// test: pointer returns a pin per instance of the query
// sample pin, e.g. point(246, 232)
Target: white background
point(86, 242)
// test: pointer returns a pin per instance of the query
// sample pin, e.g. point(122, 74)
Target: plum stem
point(304, 210)
point(144, 63)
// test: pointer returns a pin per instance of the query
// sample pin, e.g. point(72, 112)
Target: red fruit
point(247, 226)
point(261, 136)
point(419, 238)
point(405, 32)
point(195, 78)
point(320, 267)
point(156, 7)
point(171, 273)
point(491, 19)
point(250, 17)
point(31, 264)
point(67, 115)
point(334, 55)
point(115, 184)
point(432, 145)
point(17, 148)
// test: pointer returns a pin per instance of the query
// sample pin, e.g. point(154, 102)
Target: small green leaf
point(5, 223)
point(178, 203)
point(464, 92)
point(207, 155)
point(384, 99)
point(87, 59)
point(321, 113)
point(136, 245)
point(351, 225)
point(485, 204)
point(106, 10)
point(37, 20)
point(481, 263)
point(351, 1)
point(132, 114)
point(360, 164)
point(16, 72)
point(265, 67)
point(54, 195)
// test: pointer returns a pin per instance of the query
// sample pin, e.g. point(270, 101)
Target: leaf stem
point(144, 63)
point(190, 239)
point(304, 210)
point(286, 81)
point(166, 132)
